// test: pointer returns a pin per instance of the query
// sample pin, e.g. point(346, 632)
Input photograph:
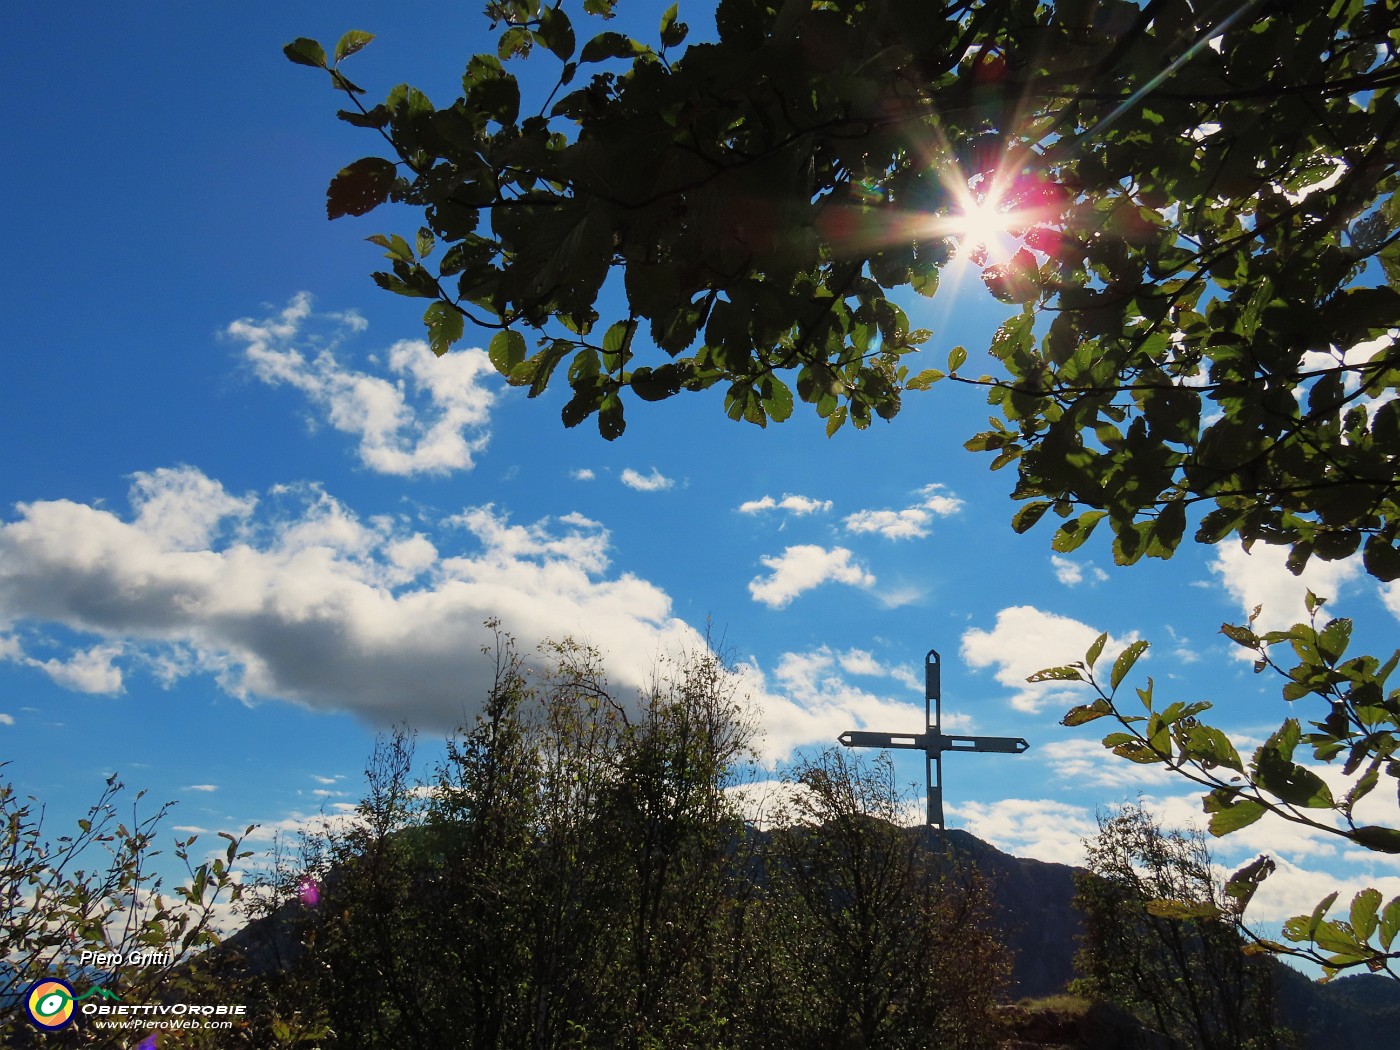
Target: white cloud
point(1071, 573)
point(411, 556)
point(861, 662)
point(430, 416)
point(1088, 763)
point(653, 482)
point(939, 502)
point(309, 603)
point(894, 597)
point(87, 671)
point(798, 505)
point(1038, 828)
point(807, 699)
point(582, 474)
point(1259, 576)
point(200, 787)
point(181, 508)
point(802, 568)
point(6, 720)
point(904, 524)
point(1294, 890)
point(1026, 640)
point(1360, 354)
point(909, 523)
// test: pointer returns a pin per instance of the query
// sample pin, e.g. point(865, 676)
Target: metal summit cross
point(934, 742)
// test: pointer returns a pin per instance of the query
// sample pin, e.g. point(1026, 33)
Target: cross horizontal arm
point(1002, 744)
point(918, 742)
point(935, 743)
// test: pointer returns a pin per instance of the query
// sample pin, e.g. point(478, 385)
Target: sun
point(981, 224)
point(984, 223)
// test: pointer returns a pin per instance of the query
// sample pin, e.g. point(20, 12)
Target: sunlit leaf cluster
point(1202, 200)
point(1344, 710)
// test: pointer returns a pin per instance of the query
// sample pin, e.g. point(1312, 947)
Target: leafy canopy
point(1200, 196)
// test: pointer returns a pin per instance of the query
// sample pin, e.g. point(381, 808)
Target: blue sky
point(247, 520)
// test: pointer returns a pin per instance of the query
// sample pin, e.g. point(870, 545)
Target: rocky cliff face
point(1040, 923)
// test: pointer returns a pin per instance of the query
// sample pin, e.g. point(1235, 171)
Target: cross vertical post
point(933, 741)
point(933, 772)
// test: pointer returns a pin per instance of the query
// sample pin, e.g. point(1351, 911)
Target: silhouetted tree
point(1157, 944)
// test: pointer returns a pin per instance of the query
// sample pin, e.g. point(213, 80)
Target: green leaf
point(444, 324)
point(672, 32)
point(656, 384)
point(835, 420)
point(1028, 515)
point(360, 187)
point(582, 405)
point(507, 349)
point(1315, 919)
point(609, 45)
point(1096, 650)
point(778, 403)
point(1342, 943)
point(1078, 716)
point(1382, 840)
point(517, 40)
point(1016, 280)
point(1332, 639)
point(347, 45)
point(1068, 673)
point(1072, 534)
point(957, 357)
point(1125, 661)
point(1390, 923)
point(1240, 635)
point(924, 379)
point(618, 337)
point(557, 32)
point(545, 361)
point(1140, 752)
point(418, 285)
point(1243, 884)
point(306, 52)
point(491, 90)
point(1363, 913)
point(924, 281)
point(1211, 747)
point(1276, 773)
point(1381, 559)
point(1233, 816)
point(399, 249)
point(378, 117)
point(610, 417)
